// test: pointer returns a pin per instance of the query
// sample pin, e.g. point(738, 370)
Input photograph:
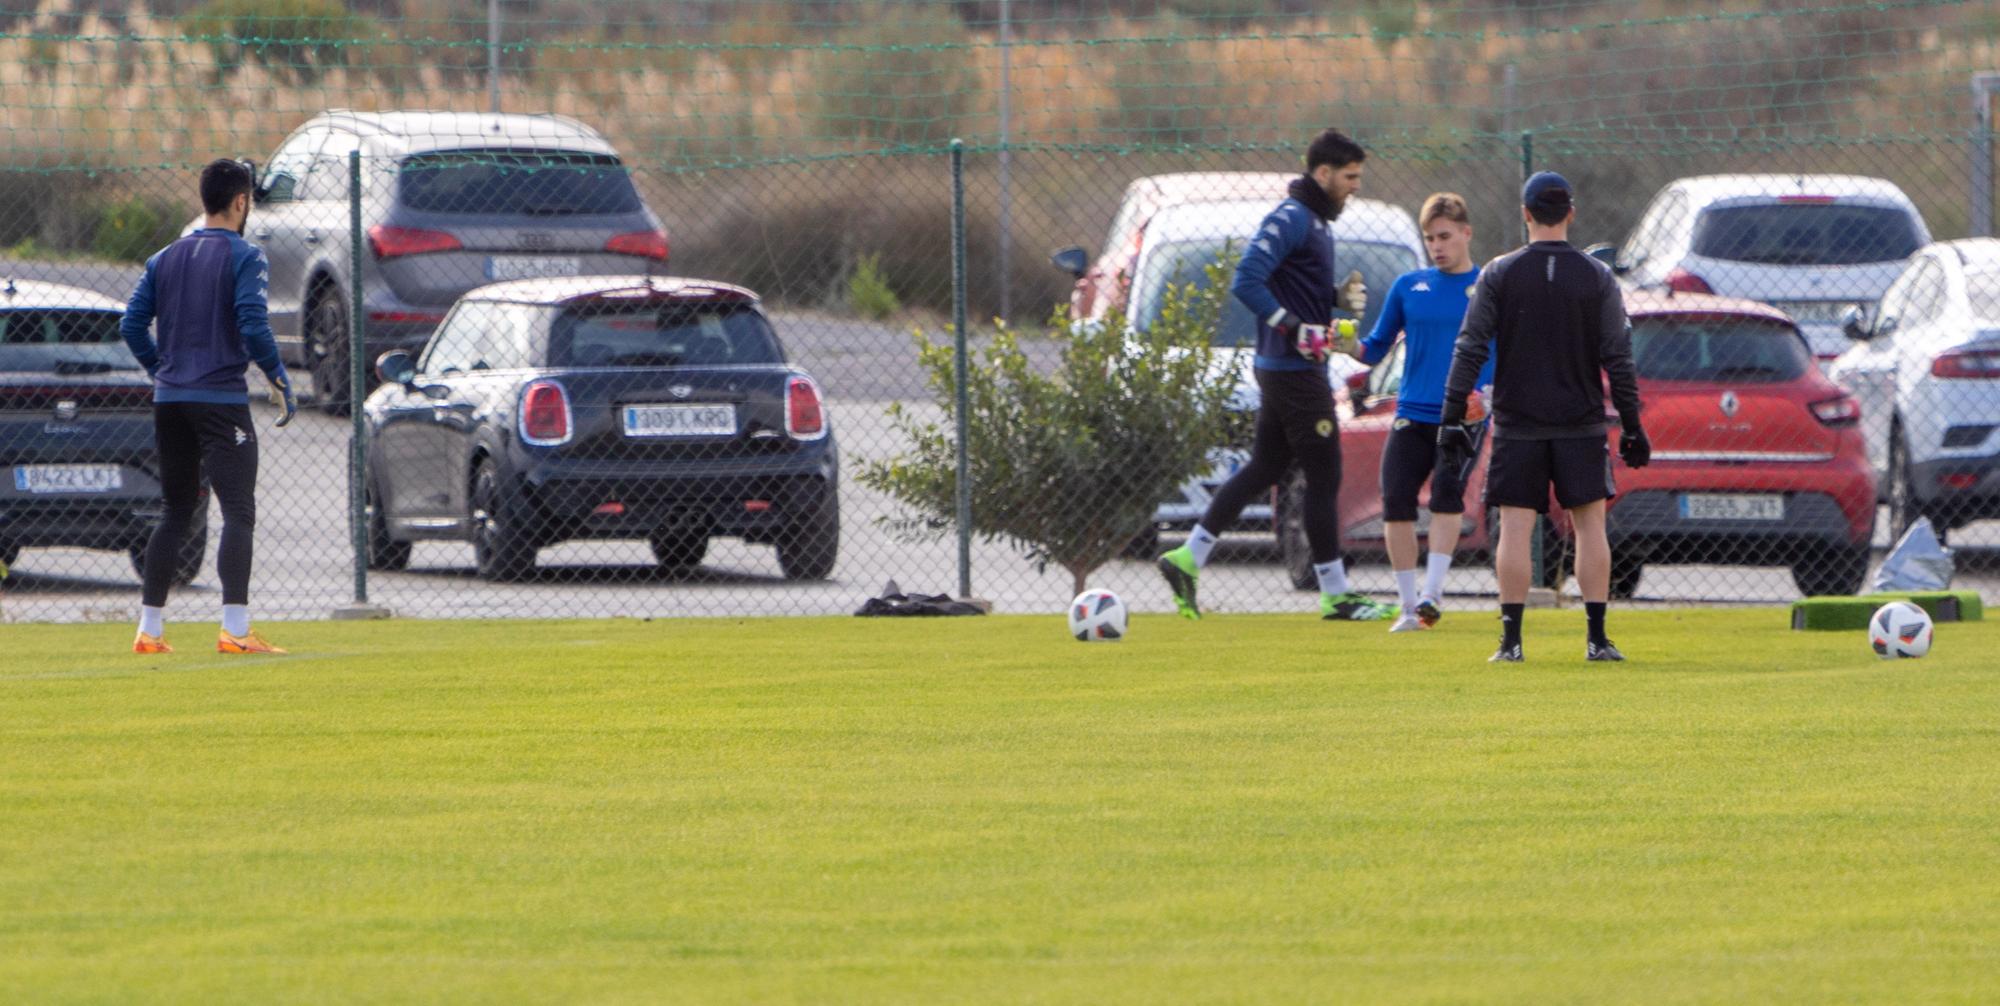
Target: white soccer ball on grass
point(1097, 616)
point(1900, 629)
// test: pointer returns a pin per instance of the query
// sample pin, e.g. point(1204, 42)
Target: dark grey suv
point(449, 202)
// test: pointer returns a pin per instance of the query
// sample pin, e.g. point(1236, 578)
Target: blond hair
point(1446, 205)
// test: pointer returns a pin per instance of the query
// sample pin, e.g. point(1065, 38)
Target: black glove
point(1454, 444)
point(281, 393)
point(1635, 448)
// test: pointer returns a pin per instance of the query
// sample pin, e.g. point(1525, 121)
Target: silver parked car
point(449, 201)
point(1809, 245)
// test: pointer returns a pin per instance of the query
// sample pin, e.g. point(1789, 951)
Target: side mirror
point(1854, 324)
point(1072, 260)
point(1604, 252)
point(257, 192)
point(396, 367)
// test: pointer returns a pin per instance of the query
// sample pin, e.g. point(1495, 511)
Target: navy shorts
point(1523, 471)
point(1409, 459)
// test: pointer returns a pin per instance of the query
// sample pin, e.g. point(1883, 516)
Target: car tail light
point(1972, 363)
point(395, 242)
point(1958, 480)
point(1683, 281)
point(805, 417)
point(545, 420)
point(1842, 411)
point(644, 244)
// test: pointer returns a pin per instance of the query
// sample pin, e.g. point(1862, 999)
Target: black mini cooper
point(636, 407)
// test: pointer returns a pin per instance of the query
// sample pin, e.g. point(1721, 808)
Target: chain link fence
point(656, 304)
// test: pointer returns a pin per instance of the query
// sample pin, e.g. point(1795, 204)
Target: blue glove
point(281, 393)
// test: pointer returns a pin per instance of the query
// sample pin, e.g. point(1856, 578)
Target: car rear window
point(535, 183)
point(1187, 262)
point(628, 335)
point(1806, 234)
point(1729, 350)
point(63, 342)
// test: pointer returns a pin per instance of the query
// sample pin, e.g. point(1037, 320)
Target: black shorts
point(1408, 460)
point(1523, 471)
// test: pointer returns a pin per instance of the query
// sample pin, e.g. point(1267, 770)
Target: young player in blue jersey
point(208, 294)
point(1425, 308)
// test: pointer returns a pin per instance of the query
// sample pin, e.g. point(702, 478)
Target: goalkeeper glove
point(282, 396)
point(1634, 447)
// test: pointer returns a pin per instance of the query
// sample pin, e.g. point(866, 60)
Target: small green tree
point(1070, 464)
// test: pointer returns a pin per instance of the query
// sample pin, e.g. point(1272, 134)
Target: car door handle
point(262, 234)
point(312, 237)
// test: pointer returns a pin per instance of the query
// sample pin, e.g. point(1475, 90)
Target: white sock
point(1200, 541)
point(1435, 568)
point(1406, 588)
point(152, 621)
point(1332, 577)
point(236, 619)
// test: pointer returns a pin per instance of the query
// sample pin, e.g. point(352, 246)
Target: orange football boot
point(250, 642)
point(151, 644)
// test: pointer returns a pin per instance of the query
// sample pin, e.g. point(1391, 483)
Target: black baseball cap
point(1546, 190)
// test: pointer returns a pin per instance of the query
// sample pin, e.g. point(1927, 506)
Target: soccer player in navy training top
point(1286, 279)
point(208, 292)
point(1557, 327)
point(1425, 307)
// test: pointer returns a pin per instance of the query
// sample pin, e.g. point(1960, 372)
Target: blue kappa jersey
point(1289, 264)
point(1426, 307)
point(208, 293)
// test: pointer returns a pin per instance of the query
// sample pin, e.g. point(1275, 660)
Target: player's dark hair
point(1444, 206)
point(1335, 148)
point(221, 182)
point(1549, 216)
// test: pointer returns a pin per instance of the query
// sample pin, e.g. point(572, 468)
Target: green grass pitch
point(1248, 809)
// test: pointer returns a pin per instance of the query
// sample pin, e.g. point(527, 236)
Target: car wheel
point(1831, 570)
point(1293, 549)
point(500, 548)
point(807, 549)
point(384, 552)
point(1904, 510)
point(1626, 568)
point(187, 565)
point(326, 350)
point(678, 551)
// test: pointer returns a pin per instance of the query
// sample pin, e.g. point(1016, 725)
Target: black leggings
point(1295, 424)
point(196, 439)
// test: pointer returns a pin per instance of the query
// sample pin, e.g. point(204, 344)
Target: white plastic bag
point(1918, 562)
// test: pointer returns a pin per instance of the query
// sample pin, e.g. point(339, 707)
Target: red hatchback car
point(1757, 456)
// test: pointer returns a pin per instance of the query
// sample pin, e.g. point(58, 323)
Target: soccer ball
point(1900, 629)
point(1097, 615)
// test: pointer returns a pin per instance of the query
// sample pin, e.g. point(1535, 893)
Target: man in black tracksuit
point(208, 294)
point(1287, 280)
point(1557, 324)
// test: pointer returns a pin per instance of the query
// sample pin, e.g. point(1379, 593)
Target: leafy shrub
point(132, 229)
point(868, 291)
point(297, 38)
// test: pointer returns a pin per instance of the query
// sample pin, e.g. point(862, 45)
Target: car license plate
point(41, 479)
point(680, 420)
point(531, 267)
point(1702, 506)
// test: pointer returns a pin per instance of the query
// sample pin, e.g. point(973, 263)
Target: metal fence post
point(963, 405)
point(1537, 567)
point(1983, 86)
point(357, 497)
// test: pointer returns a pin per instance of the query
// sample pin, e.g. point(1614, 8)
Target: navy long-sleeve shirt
point(1288, 265)
point(209, 294)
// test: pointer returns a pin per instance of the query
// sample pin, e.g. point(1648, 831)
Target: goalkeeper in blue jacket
point(1287, 279)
